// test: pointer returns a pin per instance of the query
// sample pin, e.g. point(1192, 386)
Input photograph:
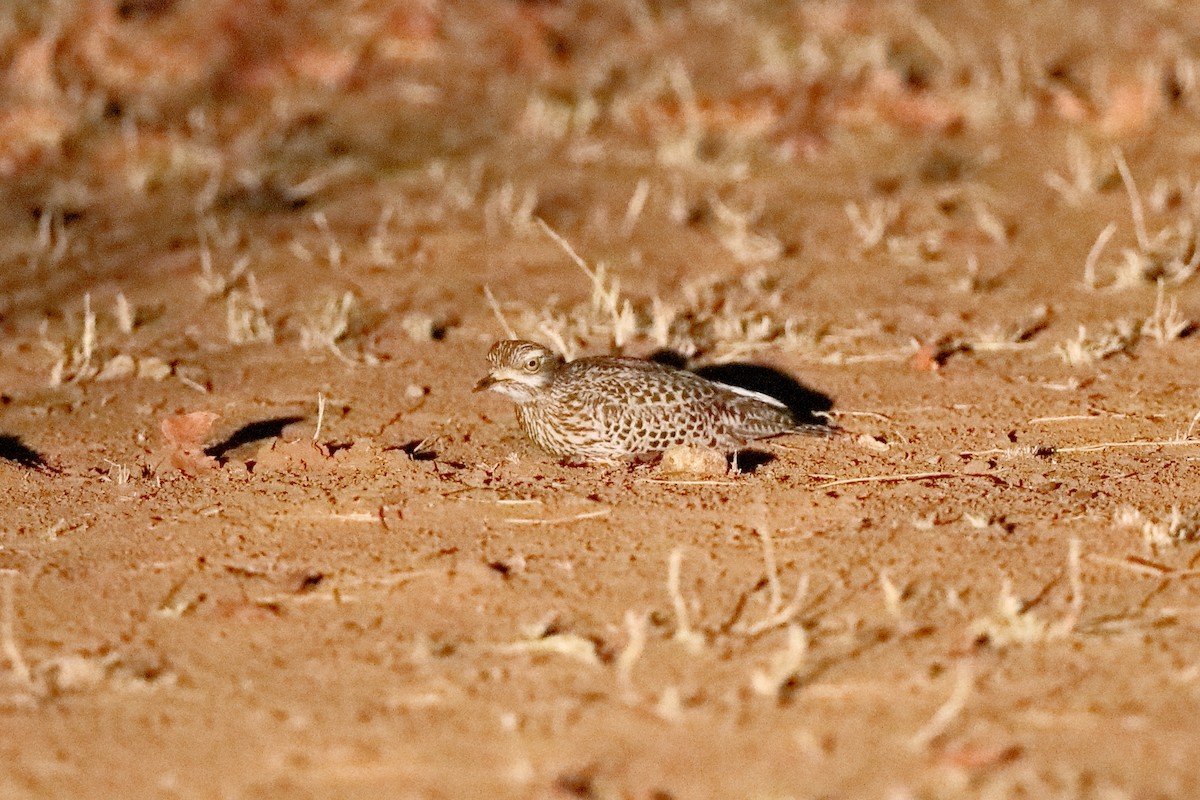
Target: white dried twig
point(498, 313)
point(1136, 209)
point(635, 624)
point(777, 613)
point(683, 628)
point(320, 416)
point(1093, 256)
point(964, 682)
point(637, 204)
point(784, 664)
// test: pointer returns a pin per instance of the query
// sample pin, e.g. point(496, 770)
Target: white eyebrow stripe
point(766, 398)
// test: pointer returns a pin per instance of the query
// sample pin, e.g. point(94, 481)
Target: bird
point(609, 409)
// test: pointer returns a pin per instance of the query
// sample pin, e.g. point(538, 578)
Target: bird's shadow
point(252, 432)
point(14, 450)
point(747, 462)
point(417, 450)
point(806, 404)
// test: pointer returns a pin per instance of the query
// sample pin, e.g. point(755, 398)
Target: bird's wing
point(765, 398)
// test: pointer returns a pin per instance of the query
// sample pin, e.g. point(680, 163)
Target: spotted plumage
point(609, 409)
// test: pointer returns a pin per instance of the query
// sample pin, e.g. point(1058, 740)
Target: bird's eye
point(532, 365)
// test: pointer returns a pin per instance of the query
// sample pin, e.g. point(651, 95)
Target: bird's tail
point(820, 430)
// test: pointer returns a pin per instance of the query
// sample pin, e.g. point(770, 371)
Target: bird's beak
point(486, 382)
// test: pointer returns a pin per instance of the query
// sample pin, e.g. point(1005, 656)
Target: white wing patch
point(766, 398)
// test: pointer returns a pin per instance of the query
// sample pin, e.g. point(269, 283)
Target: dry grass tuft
point(1174, 529)
point(784, 665)
point(75, 360)
point(722, 319)
point(328, 325)
point(1014, 622)
point(1086, 349)
point(36, 680)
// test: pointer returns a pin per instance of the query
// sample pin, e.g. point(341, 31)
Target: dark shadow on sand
point(805, 404)
point(747, 462)
point(417, 450)
point(253, 432)
point(14, 450)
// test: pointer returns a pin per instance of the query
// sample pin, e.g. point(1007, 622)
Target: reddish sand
point(987, 589)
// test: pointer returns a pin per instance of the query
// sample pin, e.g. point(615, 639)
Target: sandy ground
point(971, 227)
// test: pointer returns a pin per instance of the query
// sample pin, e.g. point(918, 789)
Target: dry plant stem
point(1183, 441)
point(891, 597)
point(1192, 426)
point(557, 341)
point(1125, 564)
point(320, 416)
point(777, 613)
point(785, 615)
point(637, 204)
point(768, 546)
point(669, 482)
point(1136, 209)
point(784, 664)
point(126, 316)
point(597, 286)
point(1075, 576)
point(498, 313)
point(564, 644)
point(1093, 256)
point(669, 705)
point(333, 248)
point(561, 520)
point(1091, 448)
point(902, 476)
point(8, 639)
point(683, 628)
point(88, 342)
point(1015, 623)
point(964, 682)
point(635, 624)
point(1143, 567)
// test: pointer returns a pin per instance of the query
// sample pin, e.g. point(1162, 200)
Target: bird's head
point(520, 369)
